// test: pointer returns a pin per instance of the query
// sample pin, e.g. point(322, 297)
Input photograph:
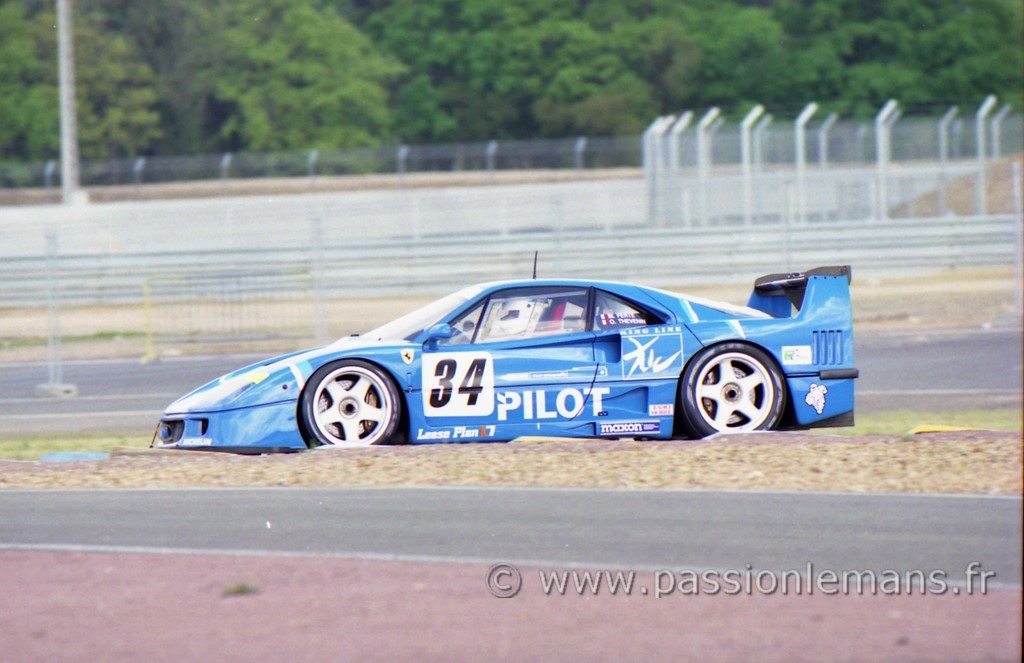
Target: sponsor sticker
point(816, 397)
point(196, 442)
point(456, 433)
point(796, 355)
point(578, 373)
point(661, 409)
point(537, 404)
point(255, 377)
point(630, 428)
point(653, 330)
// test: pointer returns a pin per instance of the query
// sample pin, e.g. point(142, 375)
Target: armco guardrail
point(438, 263)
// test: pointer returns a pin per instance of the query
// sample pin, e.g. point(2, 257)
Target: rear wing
point(785, 295)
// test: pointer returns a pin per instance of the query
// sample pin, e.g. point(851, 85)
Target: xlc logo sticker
point(651, 356)
point(631, 428)
point(816, 397)
point(458, 384)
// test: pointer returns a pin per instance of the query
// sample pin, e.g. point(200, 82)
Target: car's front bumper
point(259, 429)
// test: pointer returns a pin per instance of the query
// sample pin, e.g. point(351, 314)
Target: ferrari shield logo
point(408, 355)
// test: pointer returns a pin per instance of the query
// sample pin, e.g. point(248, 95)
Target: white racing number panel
point(458, 384)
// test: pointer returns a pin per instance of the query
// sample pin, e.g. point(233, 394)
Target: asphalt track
point(624, 529)
point(932, 371)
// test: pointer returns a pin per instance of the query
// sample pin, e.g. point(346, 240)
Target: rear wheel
point(350, 403)
point(732, 387)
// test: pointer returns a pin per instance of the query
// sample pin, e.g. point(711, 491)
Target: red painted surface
point(74, 606)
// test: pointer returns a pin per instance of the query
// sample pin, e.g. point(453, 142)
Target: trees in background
point(28, 107)
point(178, 77)
point(287, 74)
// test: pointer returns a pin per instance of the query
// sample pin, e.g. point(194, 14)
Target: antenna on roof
point(535, 265)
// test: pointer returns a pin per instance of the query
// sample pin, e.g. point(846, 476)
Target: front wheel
point(732, 387)
point(350, 403)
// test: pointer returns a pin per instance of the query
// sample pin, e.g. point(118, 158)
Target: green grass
point(239, 589)
point(31, 342)
point(34, 447)
point(900, 422)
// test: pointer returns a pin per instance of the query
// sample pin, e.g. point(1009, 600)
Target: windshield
point(411, 325)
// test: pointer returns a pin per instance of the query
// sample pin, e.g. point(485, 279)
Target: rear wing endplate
point(771, 288)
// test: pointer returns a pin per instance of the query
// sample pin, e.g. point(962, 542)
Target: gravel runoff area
point(979, 462)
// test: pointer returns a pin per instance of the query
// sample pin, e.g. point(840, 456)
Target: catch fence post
point(823, 131)
point(225, 165)
point(48, 171)
point(799, 127)
point(883, 132)
point(704, 157)
point(997, 130)
point(675, 135)
point(311, 160)
point(944, 125)
point(979, 134)
point(578, 151)
point(758, 140)
point(137, 169)
point(746, 155)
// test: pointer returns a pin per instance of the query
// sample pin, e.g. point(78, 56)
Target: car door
point(640, 356)
point(521, 362)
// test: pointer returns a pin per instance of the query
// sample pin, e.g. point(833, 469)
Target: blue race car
point(560, 358)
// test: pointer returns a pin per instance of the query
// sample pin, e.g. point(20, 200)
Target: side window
point(611, 312)
point(465, 326)
point(533, 313)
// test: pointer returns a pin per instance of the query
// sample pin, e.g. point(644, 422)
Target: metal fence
point(826, 169)
point(684, 140)
point(577, 153)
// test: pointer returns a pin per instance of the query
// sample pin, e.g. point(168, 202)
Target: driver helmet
point(512, 318)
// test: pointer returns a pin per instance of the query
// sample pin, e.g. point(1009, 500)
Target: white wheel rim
point(352, 407)
point(735, 392)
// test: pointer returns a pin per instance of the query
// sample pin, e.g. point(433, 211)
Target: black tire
point(350, 403)
point(731, 387)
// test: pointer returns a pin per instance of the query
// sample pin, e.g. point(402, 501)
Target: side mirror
point(437, 333)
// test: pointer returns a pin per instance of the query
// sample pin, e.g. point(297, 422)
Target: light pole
point(69, 171)
point(55, 385)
